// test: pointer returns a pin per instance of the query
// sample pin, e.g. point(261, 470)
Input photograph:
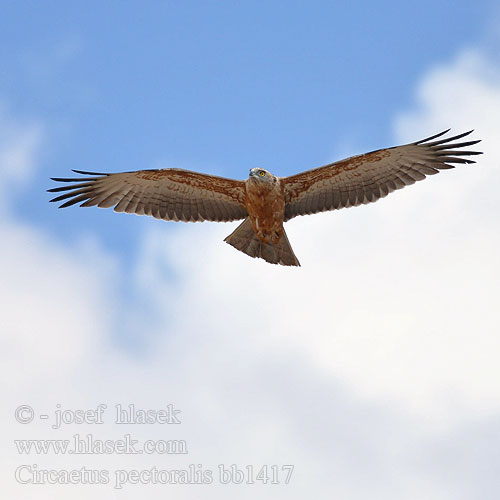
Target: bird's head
point(261, 175)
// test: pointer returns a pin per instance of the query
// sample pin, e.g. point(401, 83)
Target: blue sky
point(215, 86)
point(374, 367)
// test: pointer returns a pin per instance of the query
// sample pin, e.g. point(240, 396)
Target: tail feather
point(243, 238)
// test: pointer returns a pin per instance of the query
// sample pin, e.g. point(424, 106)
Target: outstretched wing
point(366, 178)
point(170, 194)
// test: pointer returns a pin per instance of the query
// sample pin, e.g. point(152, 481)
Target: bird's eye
point(262, 173)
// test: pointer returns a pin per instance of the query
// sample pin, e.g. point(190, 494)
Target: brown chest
point(266, 208)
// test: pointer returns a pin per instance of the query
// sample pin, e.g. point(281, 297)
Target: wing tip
point(435, 136)
point(447, 140)
point(85, 172)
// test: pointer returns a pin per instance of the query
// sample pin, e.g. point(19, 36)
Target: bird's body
point(264, 200)
point(262, 233)
point(265, 203)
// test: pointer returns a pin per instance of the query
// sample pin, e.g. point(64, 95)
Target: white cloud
point(385, 337)
point(54, 319)
point(19, 143)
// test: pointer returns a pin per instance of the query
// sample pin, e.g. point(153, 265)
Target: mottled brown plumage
point(263, 200)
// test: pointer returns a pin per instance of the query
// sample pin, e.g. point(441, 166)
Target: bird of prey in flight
point(265, 201)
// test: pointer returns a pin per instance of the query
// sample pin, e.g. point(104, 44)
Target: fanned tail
point(244, 239)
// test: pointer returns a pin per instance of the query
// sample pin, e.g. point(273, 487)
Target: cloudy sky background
point(374, 367)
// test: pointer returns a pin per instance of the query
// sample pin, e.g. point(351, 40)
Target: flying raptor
point(265, 201)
